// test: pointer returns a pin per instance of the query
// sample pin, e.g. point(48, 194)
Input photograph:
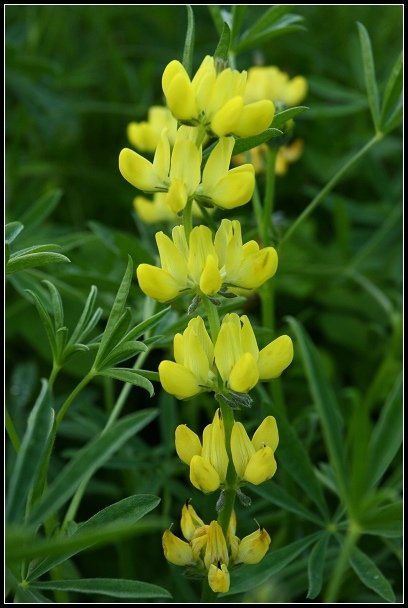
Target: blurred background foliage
point(76, 75)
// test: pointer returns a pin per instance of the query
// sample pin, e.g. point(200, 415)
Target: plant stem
point(54, 372)
point(340, 567)
point(11, 432)
point(330, 185)
point(213, 318)
point(188, 218)
point(231, 480)
point(65, 406)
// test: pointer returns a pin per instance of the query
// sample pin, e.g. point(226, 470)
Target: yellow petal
point(187, 444)
point(171, 70)
point(198, 327)
point(161, 161)
point(227, 117)
point(177, 196)
point(178, 380)
point(256, 267)
point(203, 476)
point(176, 551)
point(275, 357)
point(200, 247)
point(172, 260)
point(295, 91)
point(216, 551)
point(157, 283)
point(190, 521)
point(218, 163)
point(186, 164)
point(227, 347)
point(242, 449)
point(195, 356)
point(138, 171)
point(266, 434)
point(180, 97)
point(248, 340)
point(214, 448)
point(255, 118)
point(261, 467)
point(142, 136)
point(234, 189)
point(244, 374)
point(252, 548)
point(219, 578)
point(210, 280)
point(153, 211)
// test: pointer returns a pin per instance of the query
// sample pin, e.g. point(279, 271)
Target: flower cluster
point(207, 550)
point(222, 357)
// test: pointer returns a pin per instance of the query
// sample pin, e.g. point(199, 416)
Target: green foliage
point(103, 475)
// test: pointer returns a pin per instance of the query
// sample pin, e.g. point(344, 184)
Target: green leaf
point(37, 249)
point(87, 461)
point(270, 17)
point(188, 52)
point(11, 231)
point(21, 545)
point(223, 47)
point(393, 90)
point(238, 15)
point(395, 119)
point(287, 24)
point(247, 143)
point(18, 263)
point(315, 566)
point(30, 455)
point(215, 13)
point(149, 323)
point(370, 575)
point(275, 494)
point(326, 404)
point(56, 305)
point(359, 438)
point(114, 587)
point(281, 117)
point(294, 458)
point(117, 310)
point(129, 509)
point(124, 351)
point(386, 521)
point(41, 209)
point(46, 321)
point(84, 326)
point(247, 577)
point(387, 435)
point(129, 375)
point(369, 75)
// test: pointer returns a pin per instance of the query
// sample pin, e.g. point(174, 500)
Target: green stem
point(65, 406)
point(213, 318)
point(257, 205)
point(188, 218)
point(340, 567)
point(54, 372)
point(330, 185)
point(269, 196)
point(11, 432)
point(231, 480)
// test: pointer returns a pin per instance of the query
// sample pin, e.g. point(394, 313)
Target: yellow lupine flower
point(269, 82)
point(238, 359)
point(145, 135)
point(153, 211)
point(235, 356)
point(208, 462)
point(254, 460)
point(209, 552)
point(214, 100)
point(252, 548)
point(206, 265)
point(178, 173)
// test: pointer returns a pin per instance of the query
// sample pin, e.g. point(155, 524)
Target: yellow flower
point(206, 265)
point(209, 552)
point(271, 83)
point(192, 372)
point(287, 155)
point(238, 359)
point(157, 211)
point(178, 173)
point(235, 356)
point(209, 462)
point(145, 135)
point(214, 100)
point(254, 460)
point(252, 548)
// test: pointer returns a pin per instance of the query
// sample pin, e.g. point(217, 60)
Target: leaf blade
point(370, 575)
point(108, 586)
point(369, 75)
point(315, 566)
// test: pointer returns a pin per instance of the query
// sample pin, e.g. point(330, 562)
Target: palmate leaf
point(115, 587)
